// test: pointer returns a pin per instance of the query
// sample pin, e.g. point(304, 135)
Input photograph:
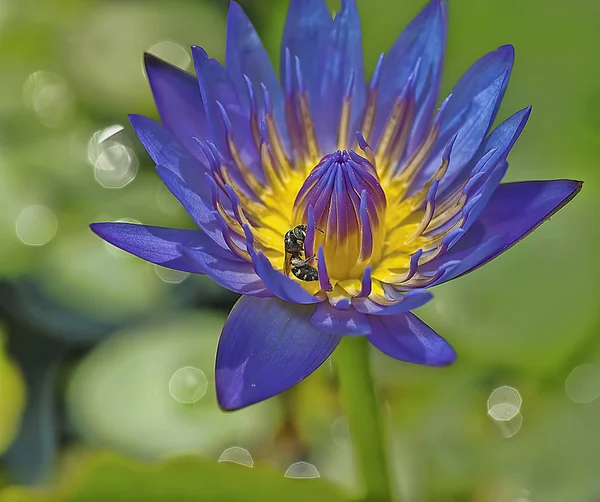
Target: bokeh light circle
point(188, 385)
point(36, 225)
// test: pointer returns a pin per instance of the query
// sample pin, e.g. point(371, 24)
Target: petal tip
point(445, 357)
point(136, 120)
point(96, 228)
point(151, 60)
point(228, 403)
point(199, 52)
point(507, 51)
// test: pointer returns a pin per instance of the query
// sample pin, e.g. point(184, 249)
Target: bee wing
point(287, 264)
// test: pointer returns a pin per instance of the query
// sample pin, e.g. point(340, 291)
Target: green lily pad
point(110, 477)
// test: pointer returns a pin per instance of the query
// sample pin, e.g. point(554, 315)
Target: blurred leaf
point(31, 456)
point(26, 303)
point(12, 397)
point(121, 394)
point(106, 477)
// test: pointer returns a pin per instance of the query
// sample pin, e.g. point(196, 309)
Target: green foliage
point(102, 477)
point(12, 397)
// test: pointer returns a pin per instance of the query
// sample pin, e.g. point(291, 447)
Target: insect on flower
point(407, 191)
point(294, 250)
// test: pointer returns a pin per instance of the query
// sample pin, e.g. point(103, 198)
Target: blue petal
point(216, 87)
point(514, 210)
point(340, 61)
point(165, 150)
point(177, 97)
point(245, 55)
point(158, 244)
point(267, 346)
point(340, 322)
point(477, 78)
point(407, 302)
point(409, 339)
point(281, 286)
point(423, 39)
point(499, 142)
point(196, 206)
point(307, 28)
point(470, 112)
point(233, 274)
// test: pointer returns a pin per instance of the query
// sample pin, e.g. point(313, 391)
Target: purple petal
point(407, 302)
point(267, 346)
point(409, 339)
point(196, 206)
point(498, 146)
point(340, 62)
point(340, 322)
point(233, 274)
point(473, 129)
point(280, 285)
point(158, 244)
point(165, 150)
point(499, 142)
point(515, 210)
point(423, 39)
point(477, 78)
point(470, 112)
point(245, 55)
point(307, 28)
point(217, 88)
point(177, 97)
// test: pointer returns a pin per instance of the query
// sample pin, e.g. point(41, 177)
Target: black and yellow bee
point(294, 250)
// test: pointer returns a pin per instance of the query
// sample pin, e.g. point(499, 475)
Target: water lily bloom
point(331, 203)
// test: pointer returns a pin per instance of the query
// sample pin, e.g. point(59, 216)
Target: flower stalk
point(366, 428)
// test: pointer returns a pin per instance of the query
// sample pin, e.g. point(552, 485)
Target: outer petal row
point(186, 250)
point(268, 345)
point(470, 112)
point(178, 100)
point(422, 41)
point(330, 56)
point(515, 210)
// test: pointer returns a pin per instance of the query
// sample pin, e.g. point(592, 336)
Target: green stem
point(366, 429)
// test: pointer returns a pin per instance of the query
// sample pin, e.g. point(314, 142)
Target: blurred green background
point(106, 362)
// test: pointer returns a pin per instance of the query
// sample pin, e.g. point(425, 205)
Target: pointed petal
point(340, 62)
point(197, 207)
point(281, 286)
point(233, 274)
point(409, 339)
point(515, 210)
point(307, 28)
point(178, 100)
point(477, 78)
point(470, 112)
point(340, 322)
point(216, 87)
point(245, 55)
point(165, 150)
point(266, 347)
point(158, 244)
point(423, 39)
point(499, 142)
point(406, 302)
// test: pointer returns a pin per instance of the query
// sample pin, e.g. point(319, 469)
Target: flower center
point(344, 202)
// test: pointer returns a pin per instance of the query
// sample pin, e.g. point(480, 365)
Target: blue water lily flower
point(332, 204)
